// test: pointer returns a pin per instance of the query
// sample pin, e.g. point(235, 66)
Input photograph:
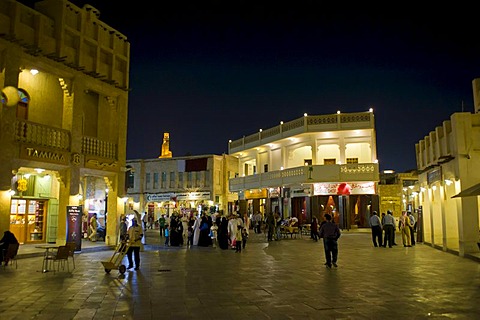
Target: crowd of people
point(232, 231)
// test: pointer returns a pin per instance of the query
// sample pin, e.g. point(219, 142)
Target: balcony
point(100, 148)
point(307, 174)
point(308, 124)
point(46, 136)
point(42, 135)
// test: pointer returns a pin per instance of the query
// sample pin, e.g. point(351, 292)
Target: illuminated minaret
point(166, 153)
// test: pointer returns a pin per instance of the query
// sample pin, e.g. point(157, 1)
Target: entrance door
point(27, 219)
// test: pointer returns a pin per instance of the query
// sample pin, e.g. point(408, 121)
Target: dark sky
point(210, 71)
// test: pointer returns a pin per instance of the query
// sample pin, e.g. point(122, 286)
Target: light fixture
point(39, 170)
point(305, 114)
point(281, 122)
point(261, 130)
point(448, 182)
point(230, 141)
point(33, 71)
point(338, 111)
point(434, 188)
point(370, 110)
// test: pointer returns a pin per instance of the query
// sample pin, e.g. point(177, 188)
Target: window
point(164, 180)
point(265, 168)
point(147, 181)
point(180, 179)
point(155, 180)
point(172, 179)
point(189, 179)
point(207, 178)
point(129, 178)
point(329, 161)
point(198, 180)
point(352, 160)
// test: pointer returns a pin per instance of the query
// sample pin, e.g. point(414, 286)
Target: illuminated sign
point(353, 188)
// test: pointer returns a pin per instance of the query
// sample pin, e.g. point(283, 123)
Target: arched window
point(22, 106)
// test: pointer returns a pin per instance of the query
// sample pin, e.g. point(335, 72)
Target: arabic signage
point(344, 188)
point(74, 226)
point(158, 197)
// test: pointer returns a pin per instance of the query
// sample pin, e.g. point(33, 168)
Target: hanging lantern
point(22, 185)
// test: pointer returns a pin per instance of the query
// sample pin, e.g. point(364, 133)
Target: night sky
point(210, 71)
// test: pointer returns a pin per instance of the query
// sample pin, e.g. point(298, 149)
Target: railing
point(42, 135)
point(307, 174)
point(100, 148)
point(316, 123)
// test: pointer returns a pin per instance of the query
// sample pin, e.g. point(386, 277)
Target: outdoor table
point(47, 248)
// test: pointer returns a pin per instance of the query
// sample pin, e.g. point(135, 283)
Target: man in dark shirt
point(330, 232)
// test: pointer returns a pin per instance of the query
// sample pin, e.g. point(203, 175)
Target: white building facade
point(180, 184)
point(310, 166)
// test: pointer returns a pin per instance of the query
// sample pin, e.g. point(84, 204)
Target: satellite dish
point(11, 96)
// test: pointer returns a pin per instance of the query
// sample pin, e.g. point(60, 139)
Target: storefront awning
point(469, 192)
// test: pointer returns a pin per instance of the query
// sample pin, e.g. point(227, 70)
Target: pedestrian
point(213, 234)
point(93, 228)
point(135, 234)
point(244, 237)
point(161, 223)
point(412, 227)
point(145, 221)
point(389, 227)
point(123, 233)
point(270, 223)
point(238, 239)
point(314, 229)
point(404, 227)
point(8, 238)
point(330, 233)
point(189, 236)
point(376, 226)
point(167, 235)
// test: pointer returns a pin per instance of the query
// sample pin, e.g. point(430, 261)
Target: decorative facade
point(310, 166)
point(448, 159)
point(180, 184)
point(64, 140)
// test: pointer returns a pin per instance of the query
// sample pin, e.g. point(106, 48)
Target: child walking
point(238, 239)
point(167, 235)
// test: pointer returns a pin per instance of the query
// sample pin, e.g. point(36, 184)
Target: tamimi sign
point(343, 188)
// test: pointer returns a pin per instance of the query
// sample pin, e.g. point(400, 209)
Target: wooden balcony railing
point(42, 135)
point(100, 148)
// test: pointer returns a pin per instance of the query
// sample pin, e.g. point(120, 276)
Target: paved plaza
point(277, 280)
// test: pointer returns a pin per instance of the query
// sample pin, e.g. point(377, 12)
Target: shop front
point(34, 205)
point(350, 204)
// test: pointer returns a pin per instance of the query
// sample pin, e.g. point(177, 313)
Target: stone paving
point(277, 280)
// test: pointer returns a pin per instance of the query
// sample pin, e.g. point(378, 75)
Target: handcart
point(115, 261)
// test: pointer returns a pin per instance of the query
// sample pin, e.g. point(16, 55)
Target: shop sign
point(159, 197)
point(434, 175)
point(339, 188)
point(46, 155)
point(301, 193)
point(256, 194)
point(274, 192)
point(193, 196)
point(74, 226)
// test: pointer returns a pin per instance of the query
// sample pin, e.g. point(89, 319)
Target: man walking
point(389, 227)
point(376, 226)
point(412, 227)
point(330, 233)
